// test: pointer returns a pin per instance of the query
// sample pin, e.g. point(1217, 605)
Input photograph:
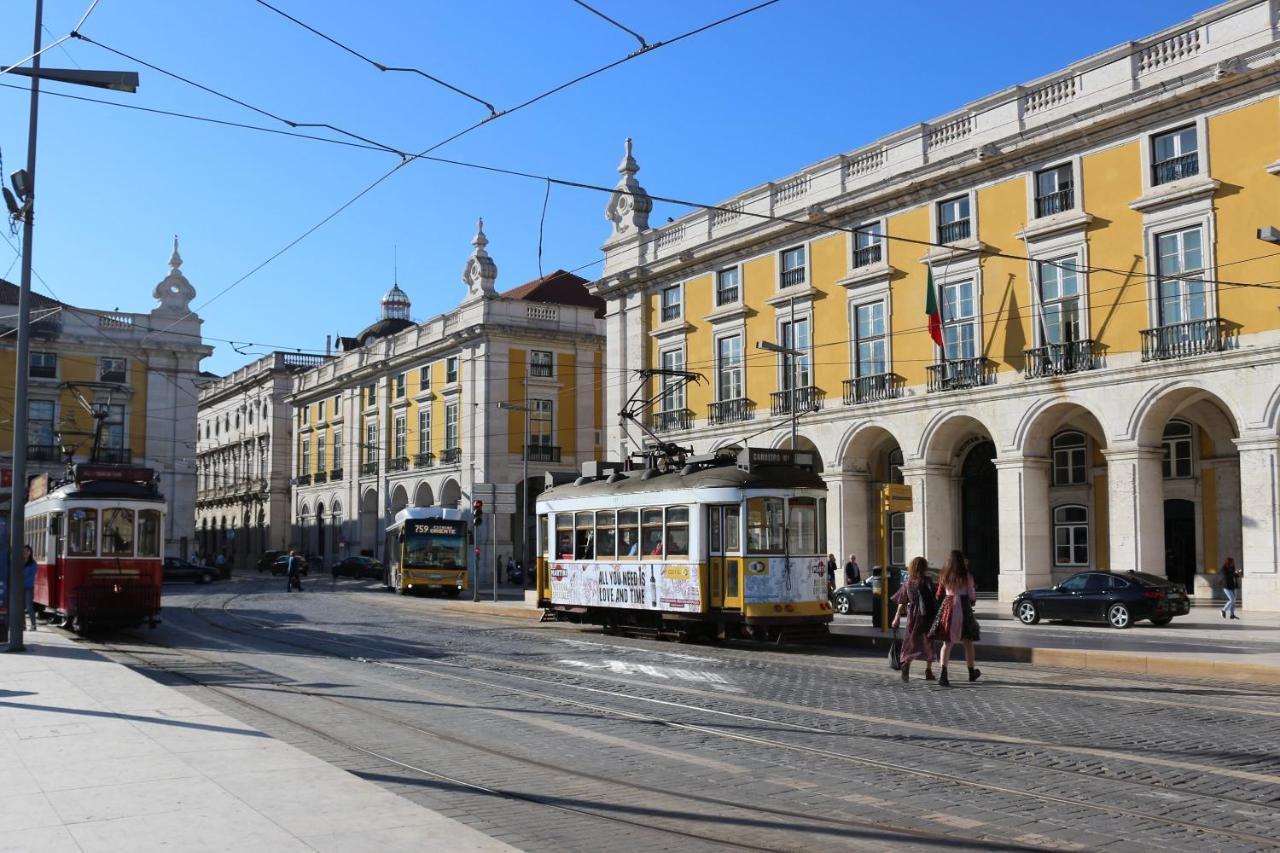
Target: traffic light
point(477, 513)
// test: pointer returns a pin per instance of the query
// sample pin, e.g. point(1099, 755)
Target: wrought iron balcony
point(1175, 168)
point(321, 477)
point(1055, 202)
point(542, 453)
point(117, 376)
point(1059, 359)
point(670, 312)
point(115, 455)
point(44, 453)
point(451, 456)
point(42, 371)
point(954, 374)
point(868, 255)
point(424, 460)
point(731, 411)
point(367, 468)
point(541, 369)
point(726, 295)
point(398, 463)
point(875, 386)
point(807, 398)
point(952, 232)
point(335, 474)
point(792, 277)
point(1180, 340)
point(303, 480)
point(672, 420)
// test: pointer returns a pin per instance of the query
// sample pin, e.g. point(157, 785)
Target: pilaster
point(848, 499)
point(1135, 502)
point(929, 529)
point(1025, 524)
point(1260, 522)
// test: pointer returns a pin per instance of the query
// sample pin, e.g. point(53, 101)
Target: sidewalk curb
point(488, 608)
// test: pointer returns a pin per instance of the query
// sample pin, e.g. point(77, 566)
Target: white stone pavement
point(96, 757)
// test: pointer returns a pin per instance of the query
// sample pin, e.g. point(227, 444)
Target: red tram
point(98, 540)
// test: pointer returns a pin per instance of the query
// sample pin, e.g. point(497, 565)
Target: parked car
point(860, 597)
point(178, 569)
point(358, 567)
point(1118, 599)
point(281, 565)
point(268, 559)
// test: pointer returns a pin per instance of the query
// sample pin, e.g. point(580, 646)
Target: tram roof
point(717, 477)
point(97, 490)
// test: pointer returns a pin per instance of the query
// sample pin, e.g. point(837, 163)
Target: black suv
point(1118, 599)
point(268, 559)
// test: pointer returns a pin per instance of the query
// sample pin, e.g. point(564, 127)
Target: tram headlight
point(115, 587)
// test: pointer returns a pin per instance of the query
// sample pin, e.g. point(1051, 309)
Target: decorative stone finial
point(481, 272)
point(629, 205)
point(174, 293)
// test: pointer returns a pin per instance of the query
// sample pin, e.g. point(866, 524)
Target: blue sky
point(715, 114)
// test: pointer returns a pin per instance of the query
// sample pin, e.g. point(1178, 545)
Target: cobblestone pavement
point(556, 738)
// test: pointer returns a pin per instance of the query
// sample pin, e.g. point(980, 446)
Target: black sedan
point(358, 567)
point(860, 597)
point(178, 569)
point(1117, 599)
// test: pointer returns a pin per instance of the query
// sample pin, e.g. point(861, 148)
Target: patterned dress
point(951, 625)
point(916, 645)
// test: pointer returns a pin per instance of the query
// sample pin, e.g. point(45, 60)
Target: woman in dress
point(956, 623)
point(909, 598)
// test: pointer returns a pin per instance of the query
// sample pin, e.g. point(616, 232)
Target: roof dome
point(395, 304)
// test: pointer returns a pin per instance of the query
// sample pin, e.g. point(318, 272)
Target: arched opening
point(450, 493)
point(335, 531)
point(369, 537)
point(399, 500)
point(522, 526)
point(321, 533)
point(979, 510)
point(422, 495)
point(264, 540)
point(871, 457)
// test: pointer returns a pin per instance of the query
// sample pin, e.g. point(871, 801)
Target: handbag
point(969, 630)
point(895, 652)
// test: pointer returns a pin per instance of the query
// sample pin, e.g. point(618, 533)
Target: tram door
point(725, 538)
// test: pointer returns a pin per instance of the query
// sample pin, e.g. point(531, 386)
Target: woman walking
point(1229, 588)
point(956, 622)
point(914, 600)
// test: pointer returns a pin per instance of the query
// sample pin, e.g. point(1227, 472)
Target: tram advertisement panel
point(769, 581)
point(638, 586)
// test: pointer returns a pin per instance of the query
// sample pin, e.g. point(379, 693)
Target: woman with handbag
point(913, 600)
point(956, 622)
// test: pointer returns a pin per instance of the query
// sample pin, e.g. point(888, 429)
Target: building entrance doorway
point(1180, 542)
point(979, 531)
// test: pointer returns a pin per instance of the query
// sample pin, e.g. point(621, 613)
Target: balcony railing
point(726, 295)
point(953, 232)
point(303, 479)
point(335, 474)
point(367, 468)
point(451, 456)
point(956, 373)
point(541, 369)
point(1175, 168)
point(868, 255)
point(398, 463)
point(875, 386)
point(321, 477)
point(731, 411)
point(1059, 359)
point(542, 453)
point(42, 371)
point(792, 277)
point(44, 453)
point(1056, 202)
point(670, 312)
point(807, 398)
point(1180, 340)
point(115, 455)
point(672, 420)
point(117, 376)
point(424, 460)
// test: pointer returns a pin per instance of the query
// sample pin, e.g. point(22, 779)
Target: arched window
point(895, 466)
point(1069, 465)
point(898, 539)
point(1177, 450)
point(1071, 536)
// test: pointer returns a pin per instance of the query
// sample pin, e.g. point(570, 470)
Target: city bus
point(428, 550)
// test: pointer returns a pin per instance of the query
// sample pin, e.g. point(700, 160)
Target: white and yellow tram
point(722, 547)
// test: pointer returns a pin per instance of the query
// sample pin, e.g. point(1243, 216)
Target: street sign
point(896, 497)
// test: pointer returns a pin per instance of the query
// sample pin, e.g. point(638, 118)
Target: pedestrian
point(29, 569)
point(852, 571)
point(956, 622)
point(220, 561)
point(511, 568)
point(293, 572)
point(1229, 586)
point(831, 573)
point(916, 600)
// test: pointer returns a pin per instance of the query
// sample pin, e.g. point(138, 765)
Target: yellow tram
point(723, 546)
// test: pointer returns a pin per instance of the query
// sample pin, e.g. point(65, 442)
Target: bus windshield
point(435, 544)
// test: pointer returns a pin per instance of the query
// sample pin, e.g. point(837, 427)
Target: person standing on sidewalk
point(831, 573)
point(1229, 586)
point(852, 571)
point(293, 572)
point(913, 600)
point(29, 569)
point(956, 622)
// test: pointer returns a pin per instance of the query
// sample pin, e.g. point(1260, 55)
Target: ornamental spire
point(629, 205)
point(174, 292)
point(481, 272)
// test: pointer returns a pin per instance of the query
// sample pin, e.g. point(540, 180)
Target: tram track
point(435, 667)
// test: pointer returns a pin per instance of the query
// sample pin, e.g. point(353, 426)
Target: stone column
point(847, 510)
point(1260, 522)
point(1025, 523)
point(930, 524)
point(1135, 508)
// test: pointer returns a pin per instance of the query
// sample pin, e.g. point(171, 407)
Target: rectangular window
point(1184, 295)
point(371, 395)
point(958, 320)
point(424, 430)
point(651, 532)
point(727, 290)
point(1071, 536)
point(451, 369)
point(542, 364)
point(43, 365)
point(399, 442)
point(148, 533)
point(82, 532)
point(1174, 155)
point(1059, 301)
point(320, 410)
point(584, 540)
point(540, 423)
point(402, 385)
point(732, 529)
point(371, 443)
point(451, 426)
point(628, 533)
point(765, 520)
point(729, 368)
point(41, 424)
point(113, 369)
point(304, 467)
point(321, 441)
point(606, 538)
point(898, 539)
point(672, 386)
point(113, 428)
point(869, 331)
point(117, 532)
point(793, 267)
point(306, 415)
point(1055, 190)
point(677, 531)
point(802, 526)
point(424, 378)
point(953, 219)
point(795, 335)
point(671, 303)
point(337, 406)
point(868, 248)
point(564, 536)
point(337, 450)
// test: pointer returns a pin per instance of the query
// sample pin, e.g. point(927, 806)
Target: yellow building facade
point(1101, 248)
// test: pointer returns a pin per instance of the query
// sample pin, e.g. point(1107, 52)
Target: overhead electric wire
point(80, 23)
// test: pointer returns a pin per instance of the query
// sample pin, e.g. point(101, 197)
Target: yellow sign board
point(896, 497)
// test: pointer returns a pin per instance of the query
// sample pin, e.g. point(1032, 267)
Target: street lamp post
point(26, 187)
point(524, 503)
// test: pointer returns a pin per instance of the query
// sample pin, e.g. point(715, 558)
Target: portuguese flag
point(932, 311)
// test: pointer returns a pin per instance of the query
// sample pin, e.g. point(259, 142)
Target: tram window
point(732, 529)
point(764, 525)
point(713, 529)
point(651, 532)
point(803, 532)
point(564, 536)
point(677, 531)
point(628, 533)
point(149, 533)
point(606, 536)
point(544, 540)
point(117, 532)
point(82, 533)
point(585, 539)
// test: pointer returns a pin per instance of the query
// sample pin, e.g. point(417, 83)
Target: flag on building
point(931, 309)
